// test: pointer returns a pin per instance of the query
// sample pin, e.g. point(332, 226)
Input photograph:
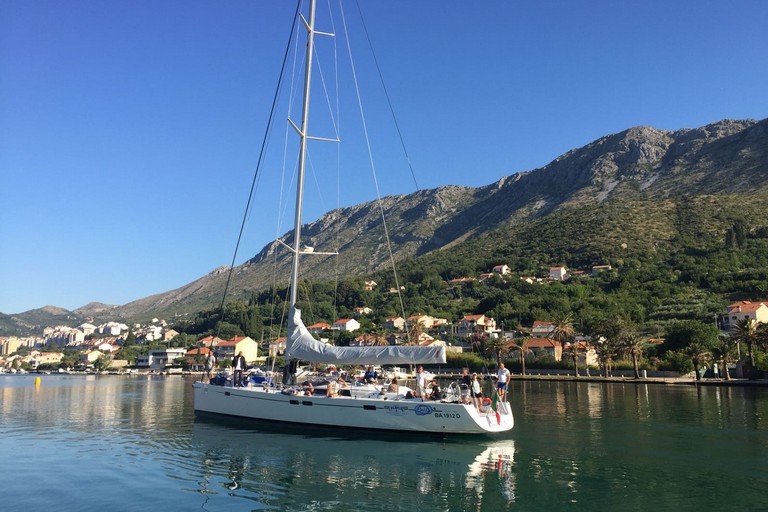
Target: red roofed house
point(227, 349)
point(196, 358)
point(757, 311)
point(209, 341)
point(472, 324)
point(318, 328)
point(552, 347)
point(277, 347)
point(586, 353)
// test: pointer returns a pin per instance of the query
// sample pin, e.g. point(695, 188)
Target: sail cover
point(301, 345)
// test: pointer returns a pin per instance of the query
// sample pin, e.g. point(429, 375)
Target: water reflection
point(288, 471)
point(582, 445)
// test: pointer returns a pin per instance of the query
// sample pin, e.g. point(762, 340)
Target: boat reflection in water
point(293, 470)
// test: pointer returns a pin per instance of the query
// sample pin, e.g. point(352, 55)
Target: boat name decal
point(423, 410)
point(396, 410)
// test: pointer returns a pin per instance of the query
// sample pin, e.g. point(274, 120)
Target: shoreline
point(679, 381)
point(683, 380)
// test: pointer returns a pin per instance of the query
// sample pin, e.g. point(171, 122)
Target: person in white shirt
point(501, 383)
point(421, 382)
point(210, 363)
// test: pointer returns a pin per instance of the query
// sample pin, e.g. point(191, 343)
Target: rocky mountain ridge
point(638, 164)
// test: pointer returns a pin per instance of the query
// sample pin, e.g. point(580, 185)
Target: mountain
point(637, 190)
point(33, 321)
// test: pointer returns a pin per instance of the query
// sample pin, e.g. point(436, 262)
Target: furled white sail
point(302, 346)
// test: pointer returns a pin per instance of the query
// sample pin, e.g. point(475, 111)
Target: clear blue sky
point(129, 130)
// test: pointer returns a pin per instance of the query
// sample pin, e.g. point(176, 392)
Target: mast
point(289, 372)
point(302, 153)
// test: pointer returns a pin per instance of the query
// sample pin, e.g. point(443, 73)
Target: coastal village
point(98, 347)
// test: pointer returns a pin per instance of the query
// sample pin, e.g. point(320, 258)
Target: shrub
point(676, 362)
point(467, 360)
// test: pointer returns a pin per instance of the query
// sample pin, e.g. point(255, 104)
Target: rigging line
point(281, 208)
point(386, 94)
point(337, 125)
point(259, 163)
point(373, 165)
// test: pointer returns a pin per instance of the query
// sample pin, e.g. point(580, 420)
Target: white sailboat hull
point(356, 412)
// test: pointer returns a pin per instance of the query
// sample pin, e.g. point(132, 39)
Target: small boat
point(365, 406)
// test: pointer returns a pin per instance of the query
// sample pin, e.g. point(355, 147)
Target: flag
point(495, 407)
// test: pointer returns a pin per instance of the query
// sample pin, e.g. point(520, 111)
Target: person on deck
point(421, 383)
point(476, 391)
point(501, 383)
point(370, 375)
point(435, 394)
point(210, 363)
point(466, 384)
point(238, 365)
point(332, 389)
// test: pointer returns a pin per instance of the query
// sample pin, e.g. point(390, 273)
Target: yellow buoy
point(37, 382)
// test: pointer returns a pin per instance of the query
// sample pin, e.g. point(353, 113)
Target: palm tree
point(608, 335)
point(496, 347)
point(415, 330)
point(699, 354)
point(573, 353)
point(562, 330)
point(632, 344)
point(522, 344)
point(722, 351)
point(746, 331)
point(762, 335)
point(380, 339)
point(607, 350)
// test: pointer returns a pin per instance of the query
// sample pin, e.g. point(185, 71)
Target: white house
point(394, 323)
point(558, 273)
point(346, 324)
point(542, 329)
point(160, 359)
point(502, 269)
point(87, 328)
point(112, 328)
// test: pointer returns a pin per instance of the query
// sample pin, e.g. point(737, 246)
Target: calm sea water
point(133, 443)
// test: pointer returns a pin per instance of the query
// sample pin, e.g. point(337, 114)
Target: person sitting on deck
point(394, 387)
point(332, 389)
point(466, 384)
point(370, 375)
point(435, 394)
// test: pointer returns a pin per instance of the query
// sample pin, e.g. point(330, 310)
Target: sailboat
point(367, 407)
